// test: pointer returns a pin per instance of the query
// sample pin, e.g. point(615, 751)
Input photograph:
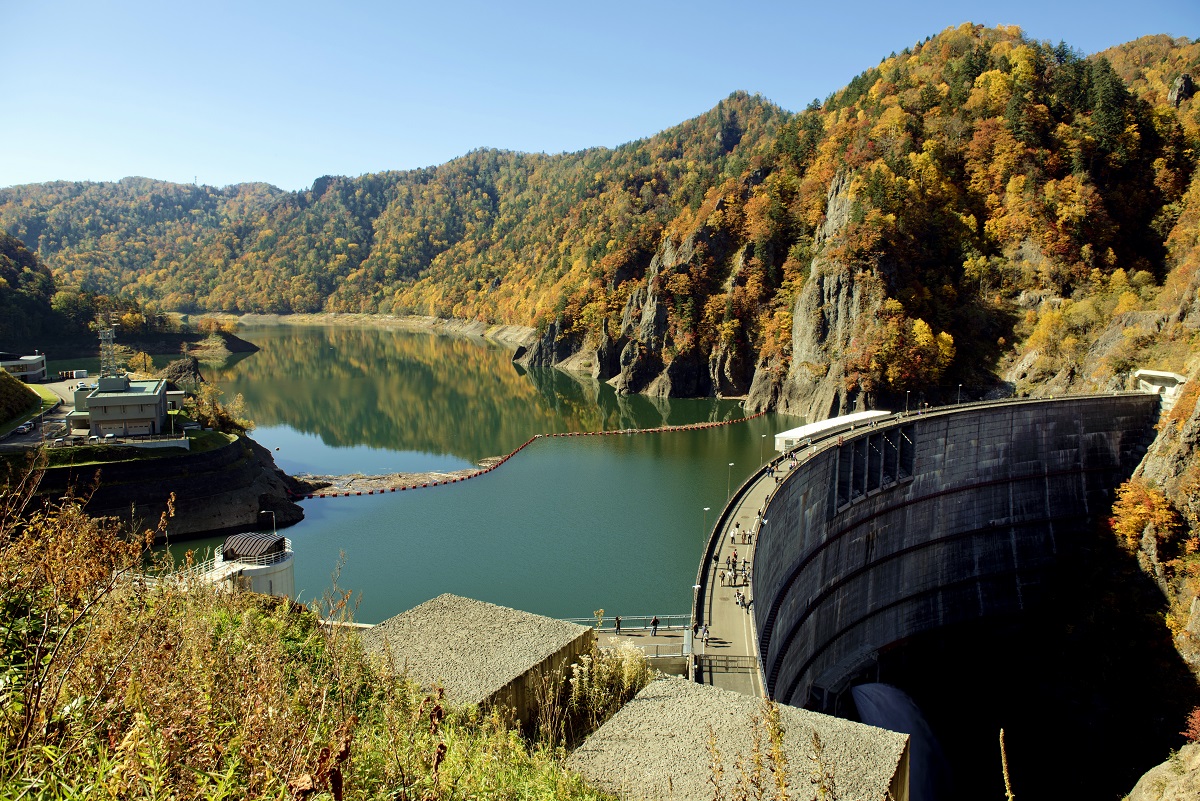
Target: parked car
point(25, 427)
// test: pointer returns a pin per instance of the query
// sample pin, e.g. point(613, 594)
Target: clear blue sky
point(285, 92)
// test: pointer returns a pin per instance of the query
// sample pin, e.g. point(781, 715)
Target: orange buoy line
point(481, 471)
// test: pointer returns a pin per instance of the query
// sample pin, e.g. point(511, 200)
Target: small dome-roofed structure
point(252, 544)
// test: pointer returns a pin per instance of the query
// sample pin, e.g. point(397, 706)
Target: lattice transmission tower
point(109, 366)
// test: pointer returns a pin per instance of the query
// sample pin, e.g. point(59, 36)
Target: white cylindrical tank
point(275, 579)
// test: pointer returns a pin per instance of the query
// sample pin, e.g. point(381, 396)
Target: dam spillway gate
point(923, 521)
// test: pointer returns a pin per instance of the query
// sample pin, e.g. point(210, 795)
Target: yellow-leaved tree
point(1138, 506)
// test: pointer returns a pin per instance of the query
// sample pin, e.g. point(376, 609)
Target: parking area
point(47, 426)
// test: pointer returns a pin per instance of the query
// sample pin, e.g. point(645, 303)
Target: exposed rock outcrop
point(643, 355)
point(1182, 89)
point(644, 329)
point(727, 371)
point(1177, 779)
point(552, 347)
point(216, 492)
point(184, 372)
point(833, 308)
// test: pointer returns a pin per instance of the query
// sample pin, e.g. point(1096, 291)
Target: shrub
point(116, 686)
point(1139, 505)
point(1192, 732)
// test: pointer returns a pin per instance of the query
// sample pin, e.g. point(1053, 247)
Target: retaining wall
point(929, 520)
point(217, 491)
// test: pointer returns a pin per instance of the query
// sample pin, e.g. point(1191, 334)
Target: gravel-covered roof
point(470, 647)
point(656, 746)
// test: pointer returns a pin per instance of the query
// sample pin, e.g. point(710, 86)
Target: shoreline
point(511, 336)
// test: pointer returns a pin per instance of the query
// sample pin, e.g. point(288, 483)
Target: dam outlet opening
point(963, 556)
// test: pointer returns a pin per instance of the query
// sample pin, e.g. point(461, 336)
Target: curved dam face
point(926, 521)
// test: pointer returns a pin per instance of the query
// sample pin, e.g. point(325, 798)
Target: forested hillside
point(980, 206)
point(25, 289)
point(353, 244)
point(38, 312)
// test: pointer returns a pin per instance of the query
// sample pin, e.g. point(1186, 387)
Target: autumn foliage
point(1140, 508)
point(1192, 732)
point(120, 687)
point(1005, 193)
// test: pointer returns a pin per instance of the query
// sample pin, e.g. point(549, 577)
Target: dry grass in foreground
point(115, 688)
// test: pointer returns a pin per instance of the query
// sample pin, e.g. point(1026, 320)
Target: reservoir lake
point(567, 527)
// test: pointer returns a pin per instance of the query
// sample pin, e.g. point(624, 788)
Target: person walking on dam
point(617, 622)
point(654, 626)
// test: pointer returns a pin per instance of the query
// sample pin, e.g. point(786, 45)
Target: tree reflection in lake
point(570, 526)
point(449, 396)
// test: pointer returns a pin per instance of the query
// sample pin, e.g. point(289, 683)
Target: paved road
point(728, 661)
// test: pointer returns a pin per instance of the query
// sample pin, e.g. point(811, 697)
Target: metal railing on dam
point(926, 519)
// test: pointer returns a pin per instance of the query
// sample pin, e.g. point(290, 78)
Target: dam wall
point(922, 521)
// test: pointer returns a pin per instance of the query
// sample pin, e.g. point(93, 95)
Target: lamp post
point(704, 533)
point(960, 394)
point(906, 393)
point(272, 514)
point(729, 481)
point(761, 440)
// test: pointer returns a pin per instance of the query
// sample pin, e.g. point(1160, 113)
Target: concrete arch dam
point(922, 521)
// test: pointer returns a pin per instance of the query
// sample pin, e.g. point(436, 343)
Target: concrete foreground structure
point(482, 654)
point(657, 747)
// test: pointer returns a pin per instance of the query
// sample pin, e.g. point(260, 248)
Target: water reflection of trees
point(413, 391)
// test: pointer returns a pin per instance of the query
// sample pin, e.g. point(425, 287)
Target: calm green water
point(569, 526)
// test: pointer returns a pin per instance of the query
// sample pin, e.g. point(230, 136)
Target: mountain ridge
point(947, 198)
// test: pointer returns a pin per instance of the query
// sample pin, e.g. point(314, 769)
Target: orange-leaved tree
point(1140, 505)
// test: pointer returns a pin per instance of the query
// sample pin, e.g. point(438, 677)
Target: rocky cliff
point(644, 354)
point(216, 492)
point(1177, 779)
point(833, 309)
point(1172, 465)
